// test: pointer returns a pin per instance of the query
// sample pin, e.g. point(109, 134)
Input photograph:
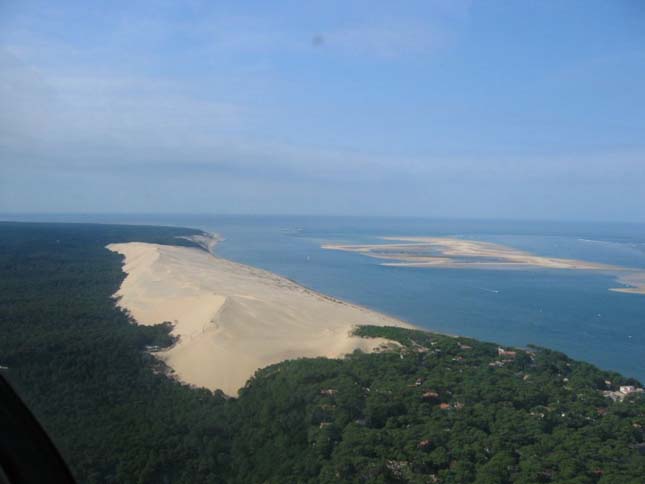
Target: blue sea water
point(570, 311)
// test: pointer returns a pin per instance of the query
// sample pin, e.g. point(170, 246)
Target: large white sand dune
point(233, 319)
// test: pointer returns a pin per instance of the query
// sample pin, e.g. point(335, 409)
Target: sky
point(437, 108)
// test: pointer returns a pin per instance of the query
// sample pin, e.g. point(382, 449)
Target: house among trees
point(623, 391)
point(424, 444)
point(506, 353)
point(430, 395)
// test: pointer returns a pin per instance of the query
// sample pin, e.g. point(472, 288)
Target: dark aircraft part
point(27, 455)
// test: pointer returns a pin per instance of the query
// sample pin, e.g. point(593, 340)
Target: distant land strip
point(454, 253)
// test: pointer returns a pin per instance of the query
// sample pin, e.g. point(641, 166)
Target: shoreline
point(215, 239)
point(455, 253)
point(634, 283)
point(232, 319)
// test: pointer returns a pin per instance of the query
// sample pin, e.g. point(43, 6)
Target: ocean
point(569, 311)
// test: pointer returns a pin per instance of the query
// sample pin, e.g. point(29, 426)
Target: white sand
point(452, 253)
point(233, 319)
point(461, 253)
point(636, 281)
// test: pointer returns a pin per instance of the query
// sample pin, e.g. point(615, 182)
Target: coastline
point(231, 319)
point(454, 253)
point(634, 282)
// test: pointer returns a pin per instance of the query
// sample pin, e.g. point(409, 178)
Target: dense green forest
point(433, 409)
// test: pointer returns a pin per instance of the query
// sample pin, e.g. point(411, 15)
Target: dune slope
point(233, 319)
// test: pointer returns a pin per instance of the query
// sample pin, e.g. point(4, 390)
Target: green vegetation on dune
point(437, 409)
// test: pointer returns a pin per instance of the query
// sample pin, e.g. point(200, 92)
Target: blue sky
point(435, 108)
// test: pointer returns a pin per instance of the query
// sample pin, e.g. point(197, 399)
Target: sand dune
point(233, 319)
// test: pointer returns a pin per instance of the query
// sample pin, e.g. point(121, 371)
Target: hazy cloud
point(382, 110)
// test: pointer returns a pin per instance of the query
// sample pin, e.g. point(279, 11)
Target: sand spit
point(233, 319)
point(635, 281)
point(453, 253)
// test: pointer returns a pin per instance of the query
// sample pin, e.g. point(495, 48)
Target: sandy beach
point(454, 253)
point(635, 282)
point(232, 319)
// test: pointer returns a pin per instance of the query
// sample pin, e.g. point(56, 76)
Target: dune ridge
point(231, 319)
